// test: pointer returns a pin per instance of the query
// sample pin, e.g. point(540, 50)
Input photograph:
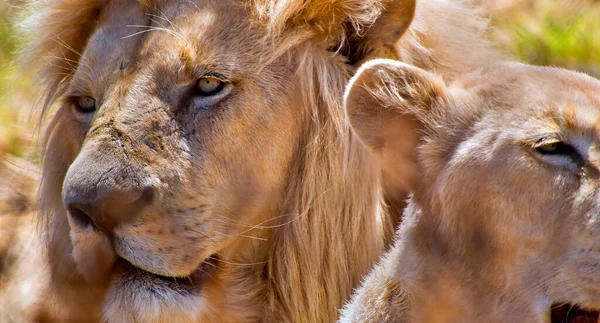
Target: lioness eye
point(86, 104)
point(208, 86)
point(559, 153)
point(555, 148)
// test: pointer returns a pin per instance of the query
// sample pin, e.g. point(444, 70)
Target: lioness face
point(179, 131)
point(522, 180)
point(505, 165)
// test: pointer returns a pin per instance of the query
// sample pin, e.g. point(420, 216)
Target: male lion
point(198, 166)
point(504, 218)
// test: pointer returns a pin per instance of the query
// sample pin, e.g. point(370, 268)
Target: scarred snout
point(116, 209)
point(101, 193)
point(106, 194)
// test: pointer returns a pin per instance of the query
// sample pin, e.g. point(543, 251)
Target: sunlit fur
point(495, 231)
point(315, 211)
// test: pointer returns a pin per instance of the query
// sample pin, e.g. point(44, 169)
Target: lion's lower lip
point(568, 313)
point(192, 283)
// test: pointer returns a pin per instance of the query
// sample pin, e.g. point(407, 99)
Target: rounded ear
point(390, 106)
point(358, 29)
point(378, 39)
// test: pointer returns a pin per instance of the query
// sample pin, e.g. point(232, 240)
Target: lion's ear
point(358, 29)
point(390, 106)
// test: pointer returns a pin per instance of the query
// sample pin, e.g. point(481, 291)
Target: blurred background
point(562, 33)
point(17, 127)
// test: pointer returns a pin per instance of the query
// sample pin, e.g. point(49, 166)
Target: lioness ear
point(390, 105)
point(379, 37)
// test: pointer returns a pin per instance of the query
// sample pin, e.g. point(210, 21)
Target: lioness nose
point(105, 194)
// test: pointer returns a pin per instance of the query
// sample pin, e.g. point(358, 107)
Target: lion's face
point(196, 148)
point(504, 164)
point(181, 134)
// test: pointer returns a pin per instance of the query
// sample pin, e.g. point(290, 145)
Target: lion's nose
point(104, 195)
point(106, 212)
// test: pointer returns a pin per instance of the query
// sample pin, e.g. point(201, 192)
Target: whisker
point(211, 264)
point(164, 17)
point(240, 264)
point(153, 28)
point(72, 63)
point(240, 235)
point(191, 281)
point(209, 275)
point(58, 40)
point(137, 33)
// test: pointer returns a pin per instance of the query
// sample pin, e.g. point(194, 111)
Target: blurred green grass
point(16, 93)
point(562, 33)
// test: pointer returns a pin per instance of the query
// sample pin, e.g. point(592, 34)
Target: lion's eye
point(208, 86)
point(211, 89)
point(86, 104)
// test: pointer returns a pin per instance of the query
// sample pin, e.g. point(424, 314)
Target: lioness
point(198, 166)
point(503, 222)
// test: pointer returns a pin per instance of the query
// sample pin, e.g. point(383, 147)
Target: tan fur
point(270, 181)
point(495, 231)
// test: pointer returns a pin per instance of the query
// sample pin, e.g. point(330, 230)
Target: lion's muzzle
point(105, 194)
point(100, 193)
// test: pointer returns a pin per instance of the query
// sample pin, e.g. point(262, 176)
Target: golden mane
point(334, 213)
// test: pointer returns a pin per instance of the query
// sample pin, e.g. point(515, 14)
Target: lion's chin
point(568, 313)
point(140, 296)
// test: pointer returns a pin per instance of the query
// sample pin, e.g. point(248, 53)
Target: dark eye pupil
point(209, 86)
point(86, 104)
point(561, 149)
point(556, 148)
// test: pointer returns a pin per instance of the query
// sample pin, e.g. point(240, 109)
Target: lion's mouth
point(568, 313)
point(132, 275)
